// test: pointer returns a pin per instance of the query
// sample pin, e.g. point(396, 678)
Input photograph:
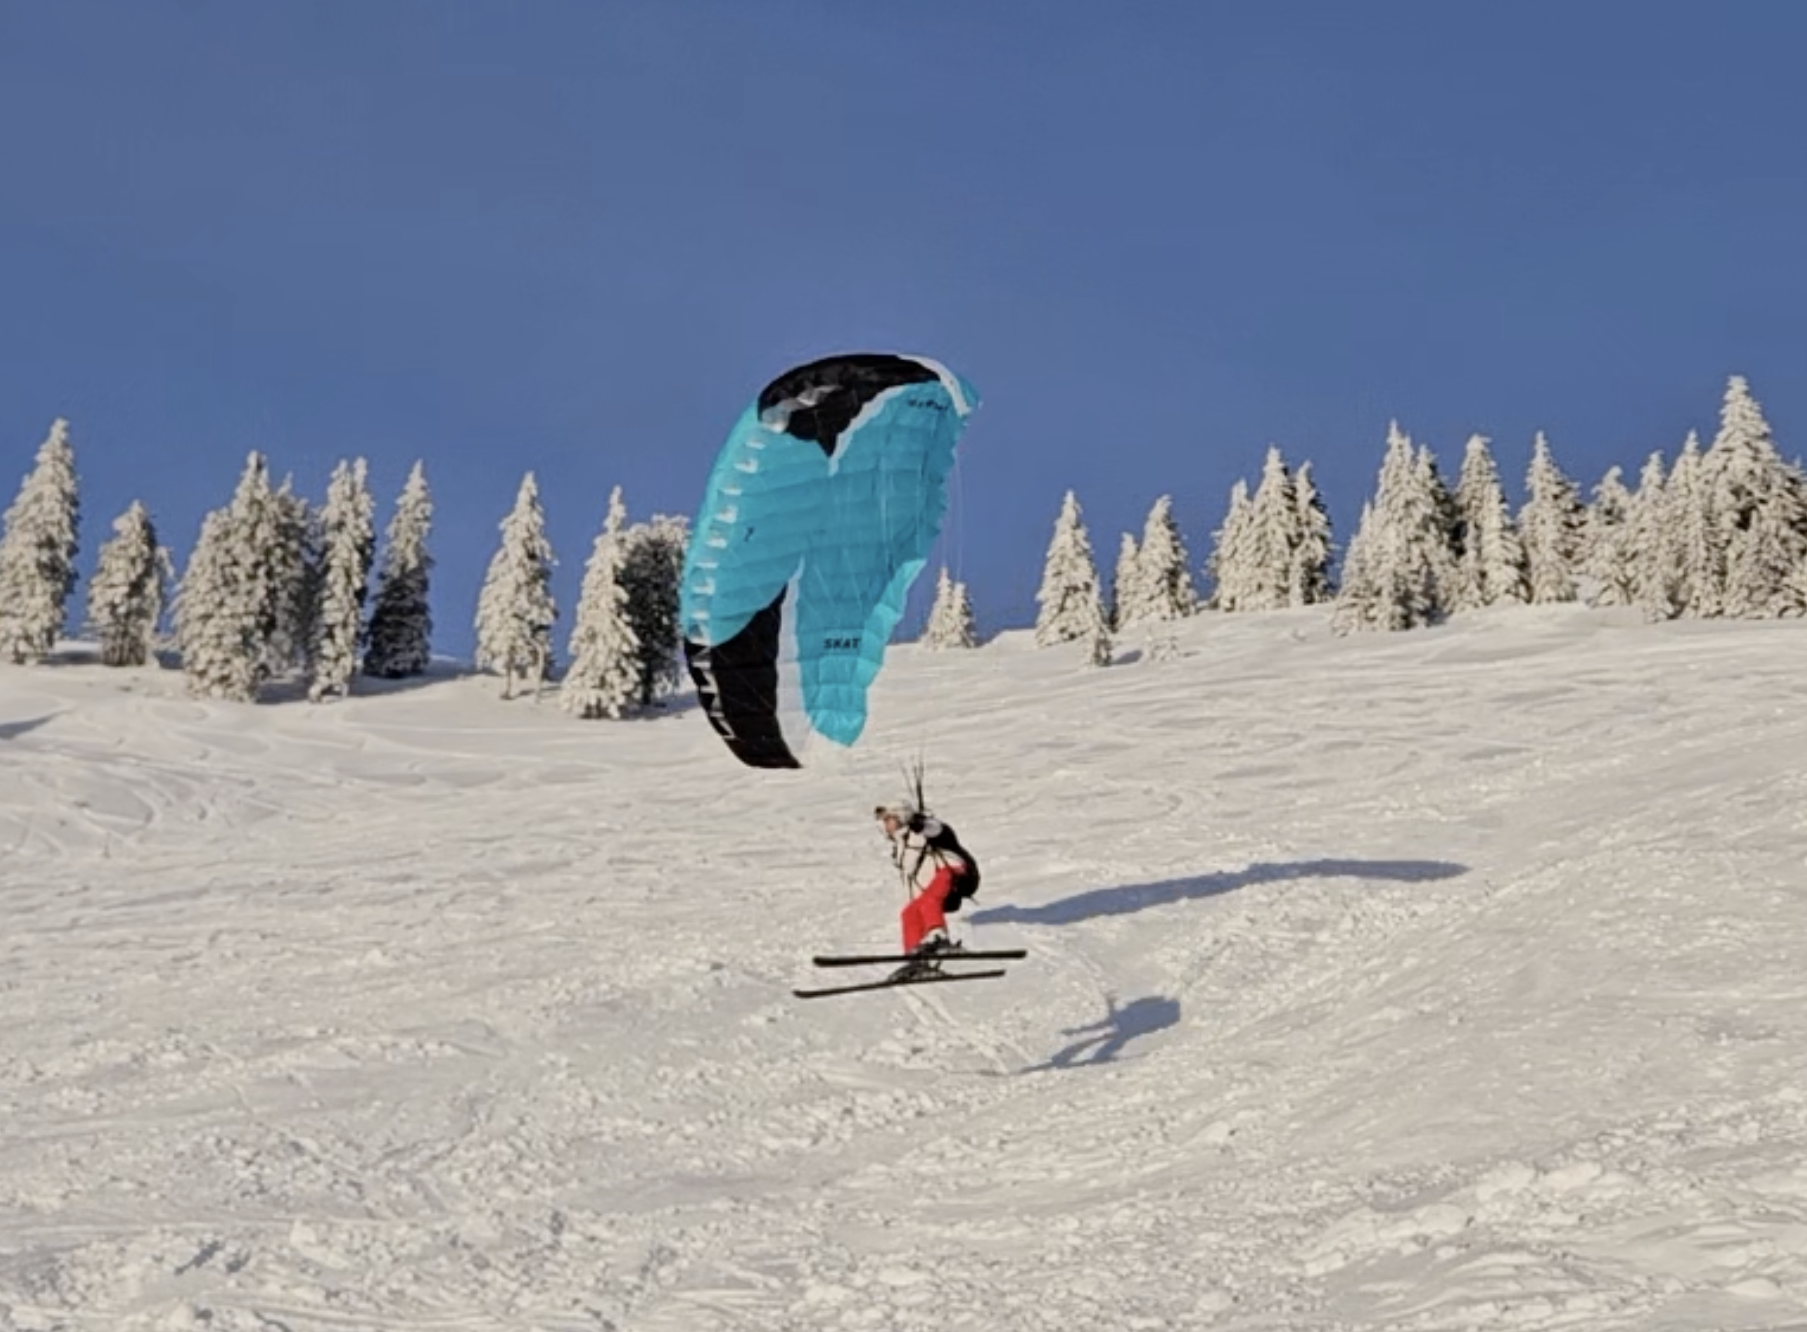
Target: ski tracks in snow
point(1401, 982)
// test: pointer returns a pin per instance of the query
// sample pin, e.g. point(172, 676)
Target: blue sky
point(578, 237)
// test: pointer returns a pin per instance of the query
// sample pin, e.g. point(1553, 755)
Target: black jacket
point(928, 838)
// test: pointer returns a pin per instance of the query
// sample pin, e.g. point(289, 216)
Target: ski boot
point(926, 957)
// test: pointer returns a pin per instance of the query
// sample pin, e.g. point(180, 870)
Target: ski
point(978, 955)
point(929, 978)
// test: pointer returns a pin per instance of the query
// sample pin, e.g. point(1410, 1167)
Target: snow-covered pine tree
point(1695, 555)
point(1163, 577)
point(1362, 602)
point(1099, 643)
point(37, 552)
point(1492, 560)
point(1123, 609)
point(1797, 586)
point(246, 589)
point(1649, 551)
point(289, 542)
point(1609, 508)
point(1444, 539)
point(604, 675)
point(400, 636)
point(515, 609)
point(1071, 607)
point(1308, 581)
point(1408, 560)
point(1764, 568)
point(951, 623)
point(1606, 554)
point(1759, 505)
point(129, 590)
point(1551, 524)
point(1227, 565)
point(233, 594)
point(1268, 537)
point(219, 610)
point(1742, 468)
point(347, 549)
point(653, 576)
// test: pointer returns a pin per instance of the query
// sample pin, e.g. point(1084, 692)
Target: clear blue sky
point(578, 236)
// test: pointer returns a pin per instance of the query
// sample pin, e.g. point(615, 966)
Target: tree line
point(1720, 532)
point(280, 590)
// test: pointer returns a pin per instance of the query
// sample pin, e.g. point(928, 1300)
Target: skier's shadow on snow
point(1125, 899)
point(1102, 1041)
point(14, 729)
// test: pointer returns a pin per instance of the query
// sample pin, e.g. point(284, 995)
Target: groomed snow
point(1440, 980)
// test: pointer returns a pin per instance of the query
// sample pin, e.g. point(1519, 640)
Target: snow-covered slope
point(1439, 980)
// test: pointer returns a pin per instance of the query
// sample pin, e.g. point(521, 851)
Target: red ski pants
point(924, 912)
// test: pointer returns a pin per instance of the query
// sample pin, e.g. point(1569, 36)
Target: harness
point(937, 846)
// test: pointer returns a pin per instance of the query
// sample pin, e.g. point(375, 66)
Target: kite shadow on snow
point(1126, 899)
point(1102, 1041)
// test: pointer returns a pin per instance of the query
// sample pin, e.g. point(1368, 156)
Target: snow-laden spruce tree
point(1764, 567)
point(1797, 587)
point(1609, 508)
point(604, 675)
point(653, 574)
point(1274, 548)
point(1418, 551)
point(232, 594)
point(1071, 606)
point(399, 639)
point(1607, 559)
point(1098, 641)
point(1227, 565)
point(1742, 468)
point(1648, 549)
point(219, 612)
point(1404, 572)
point(1162, 576)
point(347, 549)
point(951, 623)
point(290, 543)
point(1695, 553)
point(1491, 569)
point(1443, 542)
point(1163, 582)
point(515, 610)
point(1759, 507)
point(1363, 602)
point(1268, 537)
point(1308, 580)
point(1123, 585)
point(1551, 525)
point(129, 590)
point(37, 552)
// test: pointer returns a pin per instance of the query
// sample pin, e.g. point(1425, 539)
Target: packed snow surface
point(1438, 980)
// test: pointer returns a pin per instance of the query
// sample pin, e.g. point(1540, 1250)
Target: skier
point(938, 873)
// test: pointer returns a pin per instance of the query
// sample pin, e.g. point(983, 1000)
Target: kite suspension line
point(913, 797)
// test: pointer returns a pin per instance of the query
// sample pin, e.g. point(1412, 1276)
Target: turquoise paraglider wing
point(816, 520)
